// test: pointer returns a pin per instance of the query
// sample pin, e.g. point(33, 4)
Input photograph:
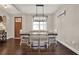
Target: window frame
point(40, 24)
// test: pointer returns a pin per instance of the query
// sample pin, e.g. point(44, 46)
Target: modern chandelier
point(42, 6)
point(40, 14)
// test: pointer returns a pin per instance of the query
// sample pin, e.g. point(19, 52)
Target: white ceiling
point(30, 8)
point(10, 9)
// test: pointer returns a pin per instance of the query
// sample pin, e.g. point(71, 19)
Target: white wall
point(50, 23)
point(68, 26)
point(27, 23)
point(10, 27)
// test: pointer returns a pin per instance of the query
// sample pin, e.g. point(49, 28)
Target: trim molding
point(10, 38)
point(71, 48)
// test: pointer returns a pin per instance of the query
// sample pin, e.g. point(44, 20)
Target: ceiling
point(29, 8)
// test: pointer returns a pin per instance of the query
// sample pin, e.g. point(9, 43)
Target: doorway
point(17, 26)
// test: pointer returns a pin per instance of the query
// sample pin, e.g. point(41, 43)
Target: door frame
point(14, 24)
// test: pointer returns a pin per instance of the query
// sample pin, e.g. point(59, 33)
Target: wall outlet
point(73, 42)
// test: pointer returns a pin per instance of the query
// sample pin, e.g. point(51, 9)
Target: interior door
point(18, 26)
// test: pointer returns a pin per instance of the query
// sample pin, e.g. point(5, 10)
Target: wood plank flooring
point(12, 47)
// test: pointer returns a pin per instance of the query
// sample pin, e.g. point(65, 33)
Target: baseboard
point(74, 50)
point(9, 38)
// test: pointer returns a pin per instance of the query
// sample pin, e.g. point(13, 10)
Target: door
point(18, 26)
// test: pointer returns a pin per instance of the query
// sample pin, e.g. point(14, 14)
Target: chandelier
point(40, 7)
point(40, 12)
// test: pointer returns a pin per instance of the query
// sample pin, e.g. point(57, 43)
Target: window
point(35, 25)
point(39, 23)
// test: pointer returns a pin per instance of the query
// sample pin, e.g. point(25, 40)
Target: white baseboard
point(9, 37)
point(73, 49)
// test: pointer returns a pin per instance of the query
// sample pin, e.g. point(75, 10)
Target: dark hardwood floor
point(12, 47)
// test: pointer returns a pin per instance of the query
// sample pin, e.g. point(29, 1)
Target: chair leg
point(20, 43)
